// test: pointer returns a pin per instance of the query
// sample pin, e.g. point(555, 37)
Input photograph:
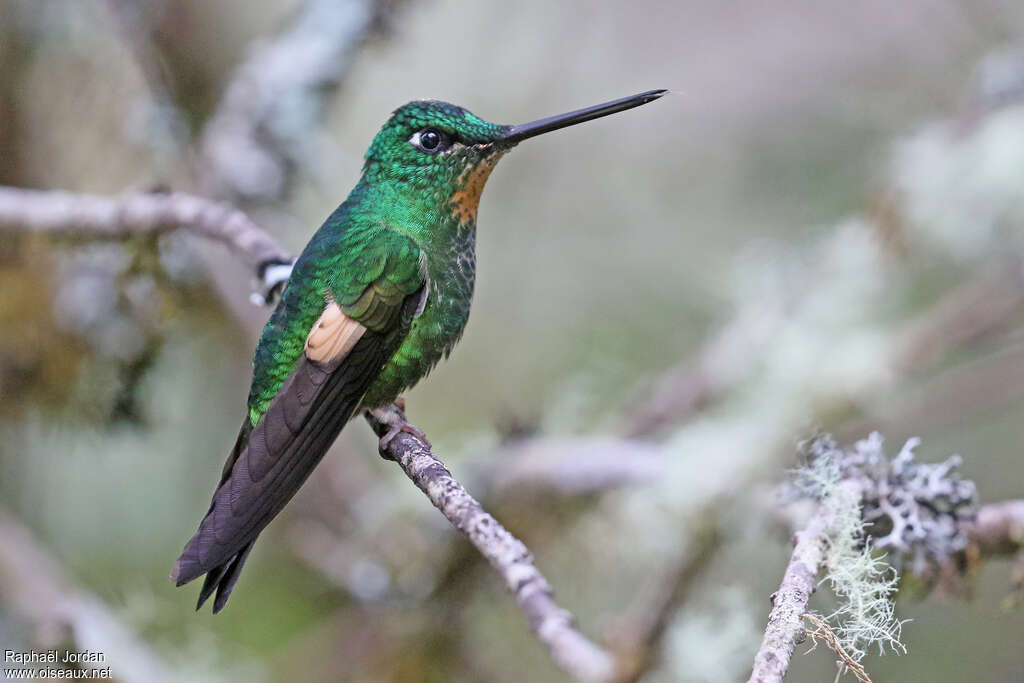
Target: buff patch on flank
point(466, 200)
point(333, 336)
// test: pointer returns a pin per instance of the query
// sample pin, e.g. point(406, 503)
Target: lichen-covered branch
point(997, 529)
point(78, 216)
point(85, 216)
point(918, 515)
point(552, 624)
point(785, 628)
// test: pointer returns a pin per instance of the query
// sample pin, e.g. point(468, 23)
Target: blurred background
point(820, 228)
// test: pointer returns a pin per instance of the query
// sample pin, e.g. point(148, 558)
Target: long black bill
point(528, 130)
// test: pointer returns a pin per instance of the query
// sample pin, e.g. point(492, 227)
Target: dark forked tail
point(272, 460)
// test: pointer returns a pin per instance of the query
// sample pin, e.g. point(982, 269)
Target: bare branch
point(920, 514)
point(85, 216)
point(552, 624)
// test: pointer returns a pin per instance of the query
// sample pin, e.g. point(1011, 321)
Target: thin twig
point(785, 623)
point(846, 662)
point(785, 628)
point(552, 624)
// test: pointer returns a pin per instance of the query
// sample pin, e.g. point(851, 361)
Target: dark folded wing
point(285, 446)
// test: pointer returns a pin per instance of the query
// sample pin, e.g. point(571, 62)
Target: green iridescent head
point(445, 153)
point(431, 141)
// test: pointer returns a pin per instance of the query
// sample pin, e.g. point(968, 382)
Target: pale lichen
point(914, 511)
point(861, 579)
point(886, 515)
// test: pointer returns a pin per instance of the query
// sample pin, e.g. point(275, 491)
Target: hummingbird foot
point(395, 421)
point(274, 276)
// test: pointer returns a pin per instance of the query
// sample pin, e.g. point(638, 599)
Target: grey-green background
point(607, 254)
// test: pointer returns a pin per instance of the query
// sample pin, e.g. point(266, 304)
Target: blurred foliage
point(607, 254)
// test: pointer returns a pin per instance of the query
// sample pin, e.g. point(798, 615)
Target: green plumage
point(396, 228)
point(379, 295)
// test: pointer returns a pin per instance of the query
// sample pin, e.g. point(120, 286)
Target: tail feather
point(248, 499)
point(210, 583)
point(225, 582)
point(272, 459)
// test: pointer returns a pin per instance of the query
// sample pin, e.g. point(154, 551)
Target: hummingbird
point(379, 295)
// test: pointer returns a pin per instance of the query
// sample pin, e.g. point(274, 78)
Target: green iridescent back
point(409, 208)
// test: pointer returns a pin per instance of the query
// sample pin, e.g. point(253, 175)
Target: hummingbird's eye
point(430, 140)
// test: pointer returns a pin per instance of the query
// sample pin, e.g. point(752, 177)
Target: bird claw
point(385, 441)
point(396, 424)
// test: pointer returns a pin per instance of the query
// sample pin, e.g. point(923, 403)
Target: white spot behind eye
point(415, 139)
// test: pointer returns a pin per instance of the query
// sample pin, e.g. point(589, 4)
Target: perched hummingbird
point(381, 292)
